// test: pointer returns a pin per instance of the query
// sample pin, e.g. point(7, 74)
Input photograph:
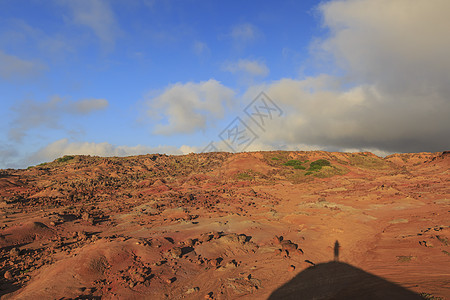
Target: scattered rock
point(205, 238)
point(216, 262)
point(233, 237)
point(231, 264)
point(193, 290)
point(288, 246)
point(82, 235)
point(426, 243)
point(85, 216)
point(170, 280)
point(176, 252)
point(14, 252)
point(8, 275)
point(310, 262)
point(159, 263)
point(277, 239)
point(189, 243)
point(137, 276)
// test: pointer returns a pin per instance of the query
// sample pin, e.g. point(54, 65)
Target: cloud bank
point(65, 147)
point(393, 93)
point(201, 49)
point(389, 91)
point(190, 106)
point(33, 114)
point(250, 67)
point(245, 32)
point(397, 45)
point(12, 67)
point(98, 16)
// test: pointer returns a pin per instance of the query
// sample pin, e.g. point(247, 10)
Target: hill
point(222, 225)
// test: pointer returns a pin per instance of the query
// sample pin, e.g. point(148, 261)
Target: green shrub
point(315, 168)
point(318, 164)
point(297, 164)
point(65, 158)
point(292, 163)
point(321, 162)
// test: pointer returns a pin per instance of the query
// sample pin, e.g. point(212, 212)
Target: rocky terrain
point(322, 225)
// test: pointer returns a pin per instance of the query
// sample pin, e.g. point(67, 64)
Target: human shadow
point(336, 251)
point(336, 280)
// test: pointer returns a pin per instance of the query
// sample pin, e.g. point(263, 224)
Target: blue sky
point(134, 77)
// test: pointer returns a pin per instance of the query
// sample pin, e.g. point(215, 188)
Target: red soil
point(209, 226)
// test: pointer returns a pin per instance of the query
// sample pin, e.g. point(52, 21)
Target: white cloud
point(375, 151)
point(362, 117)
point(258, 145)
point(12, 67)
point(243, 35)
point(98, 16)
point(86, 106)
point(189, 149)
point(31, 114)
point(65, 147)
point(18, 34)
point(394, 95)
point(245, 32)
point(396, 45)
point(251, 67)
point(8, 153)
point(201, 49)
point(190, 106)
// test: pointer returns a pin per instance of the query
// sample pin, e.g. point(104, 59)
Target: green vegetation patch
point(300, 167)
point(330, 172)
point(318, 164)
point(65, 158)
point(293, 162)
point(39, 165)
point(297, 164)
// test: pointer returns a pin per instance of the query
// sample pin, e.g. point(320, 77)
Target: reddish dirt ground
point(227, 226)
